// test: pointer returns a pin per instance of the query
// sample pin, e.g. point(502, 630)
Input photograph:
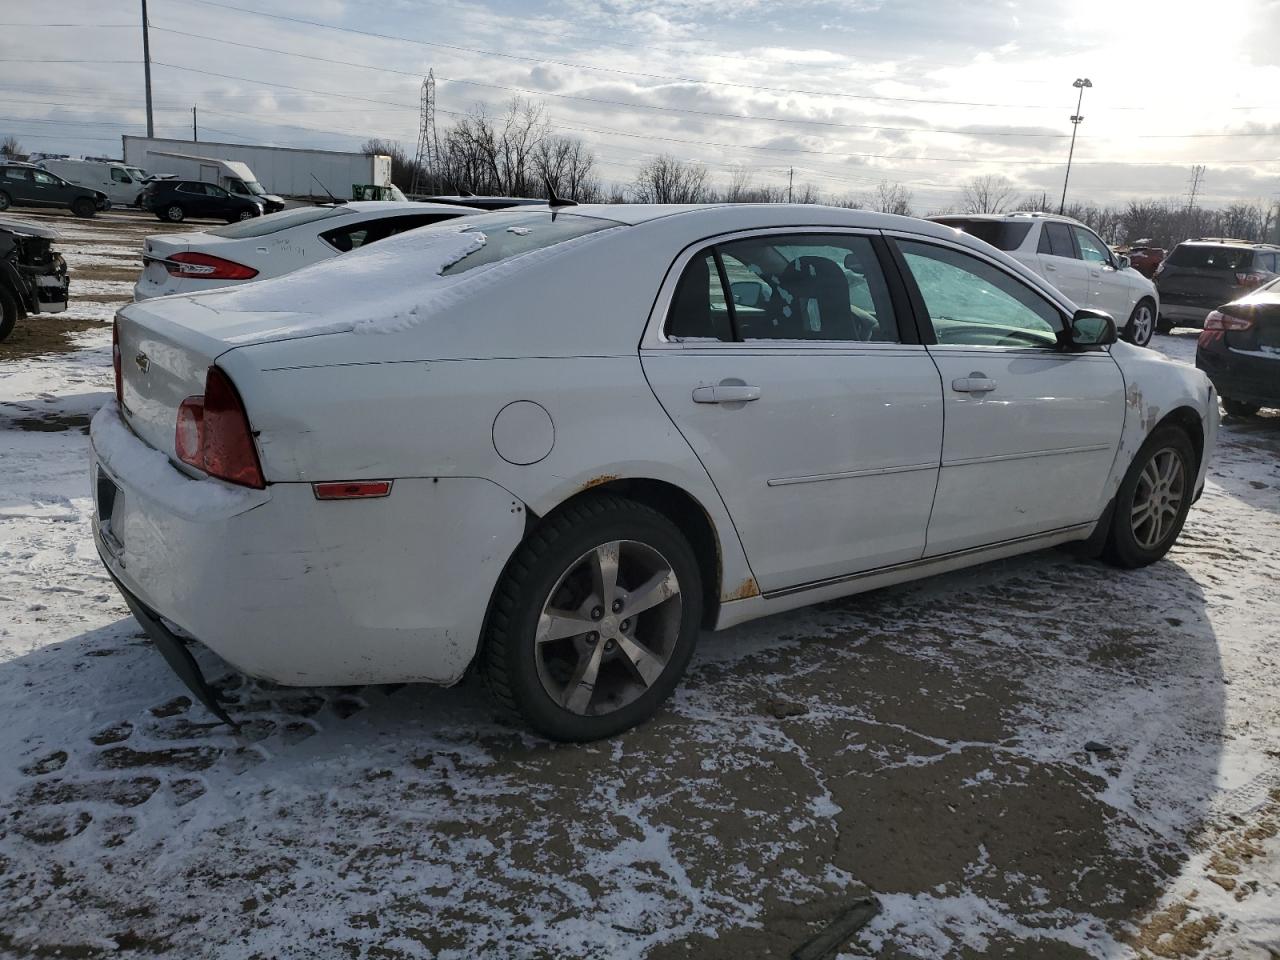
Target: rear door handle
point(974, 383)
point(1051, 268)
point(726, 393)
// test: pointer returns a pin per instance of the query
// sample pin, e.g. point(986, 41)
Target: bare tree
point(10, 147)
point(890, 198)
point(742, 189)
point(569, 166)
point(664, 179)
point(987, 194)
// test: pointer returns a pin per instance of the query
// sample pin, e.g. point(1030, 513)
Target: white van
point(120, 183)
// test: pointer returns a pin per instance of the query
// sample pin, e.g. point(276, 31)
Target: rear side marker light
point(352, 489)
point(202, 266)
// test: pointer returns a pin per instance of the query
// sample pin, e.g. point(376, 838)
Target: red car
point(1146, 258)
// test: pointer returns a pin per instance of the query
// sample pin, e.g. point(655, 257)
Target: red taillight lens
point(213, 434)
point(1218, 320)
point(202, 266)
point(115, 360)
point(1249, 279)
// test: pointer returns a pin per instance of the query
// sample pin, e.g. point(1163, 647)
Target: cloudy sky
point(849, 93)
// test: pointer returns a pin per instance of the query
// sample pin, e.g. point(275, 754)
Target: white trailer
point(285, 171)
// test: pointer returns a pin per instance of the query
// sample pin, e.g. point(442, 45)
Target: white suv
point(1075, 260)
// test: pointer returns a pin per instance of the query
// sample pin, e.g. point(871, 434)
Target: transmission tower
point(427, 159)
point(1193, 185)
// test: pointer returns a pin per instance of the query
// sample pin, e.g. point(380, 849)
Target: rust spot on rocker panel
point(744, 591)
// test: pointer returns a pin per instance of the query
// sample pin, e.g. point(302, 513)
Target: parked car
point(1075, 260)
point(1201, 274)
point(549, 444)
point(26, 185)
point(274, 245)
point(1145, 257)
point(116, 181)
point(177, 200)
point(486, 203)
point(33, 276)
point(1239, 349)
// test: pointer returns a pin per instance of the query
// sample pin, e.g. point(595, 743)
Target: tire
point(1136, 541)
point(1239, 408)
point(84, 208)
point(10, 313)
point(638, 659)
point(5, 202)
point(174, 213)
point(1164, 325)
point(246, 215)
point(1142, 323)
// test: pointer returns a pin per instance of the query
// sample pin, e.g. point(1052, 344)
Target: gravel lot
point(1037, 758)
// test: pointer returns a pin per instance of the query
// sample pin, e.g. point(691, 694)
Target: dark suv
point(33, 277)
point(1201, 275)
point(26, 185)
point(176, 200)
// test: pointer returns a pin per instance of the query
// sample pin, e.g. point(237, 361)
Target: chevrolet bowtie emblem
point(142, 362)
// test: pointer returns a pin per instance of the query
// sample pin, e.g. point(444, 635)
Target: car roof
point(1228, 242)
point(1011, 217)
point(366, 207)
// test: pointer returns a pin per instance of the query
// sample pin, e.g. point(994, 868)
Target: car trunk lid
point(1263, 336)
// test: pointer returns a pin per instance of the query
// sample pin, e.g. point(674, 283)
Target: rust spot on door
point(744, 591)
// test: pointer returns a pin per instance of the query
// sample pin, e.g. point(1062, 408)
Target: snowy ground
point(925, 744)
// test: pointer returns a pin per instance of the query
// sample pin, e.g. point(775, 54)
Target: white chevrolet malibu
point(551, 444)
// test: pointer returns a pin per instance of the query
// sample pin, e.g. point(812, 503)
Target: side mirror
point(1122, 262)
point(1092, 328)
point(746, 293)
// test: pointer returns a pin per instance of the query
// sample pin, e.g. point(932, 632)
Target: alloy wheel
point(1143, 325)
point(1157, 500)
point(608, 628)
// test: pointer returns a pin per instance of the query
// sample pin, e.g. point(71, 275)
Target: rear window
point(275, 222)
point(509, 235)
point(1209, 257)
point(998, 233)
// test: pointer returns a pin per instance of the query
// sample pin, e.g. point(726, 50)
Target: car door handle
point(726, 393)
point(1051, 268)
point(974, 383)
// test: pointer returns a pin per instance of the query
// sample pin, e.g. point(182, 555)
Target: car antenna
point(326, 190)
point(554, 201)
point(464, 192)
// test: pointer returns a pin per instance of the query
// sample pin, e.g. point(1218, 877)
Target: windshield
point(509, 235)
point(255, 188)
point(275, 222)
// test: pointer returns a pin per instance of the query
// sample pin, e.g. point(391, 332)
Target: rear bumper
point(1240, 376)
point(1185, 315)
point(299, 591)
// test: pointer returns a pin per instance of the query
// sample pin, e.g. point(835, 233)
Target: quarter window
point(785, 287)
point(1091, 248)
point(972, 303)
point(14, 173)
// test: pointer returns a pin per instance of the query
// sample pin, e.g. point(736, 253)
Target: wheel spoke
point(1169, 465)
point(657, 589)
point(578, 691)
point(604, 571)
point(647, 664)
point(557, 624)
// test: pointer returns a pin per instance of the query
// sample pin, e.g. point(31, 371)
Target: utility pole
point(791, 176)
point(195, 129)
point(1193, 188)
point(146, 68)
point(1076, 119)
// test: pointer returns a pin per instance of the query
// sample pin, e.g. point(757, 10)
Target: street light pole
point(1076, 120)
point(146, 68)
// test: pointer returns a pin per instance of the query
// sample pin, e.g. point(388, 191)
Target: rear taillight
point(202, 266)
point(1217, 320)
point(212, 434)
point(1250, 280)
point(115, 360)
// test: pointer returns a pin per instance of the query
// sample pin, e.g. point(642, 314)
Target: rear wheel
point(174, 213)
point(1153, 499)
point(10, 312)
point(594, 621)
point(1238, 408)
point(84, 207)
point(1142, 323)
point(4, 200)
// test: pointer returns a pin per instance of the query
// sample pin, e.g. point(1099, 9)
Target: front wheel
point(4, 201)
point(84, 208)
point(1238, 408)
point(10, 312)
point(1142, 324)
point(247, 214)
point(1153, 499)
point(174, 213)
point(594, 620)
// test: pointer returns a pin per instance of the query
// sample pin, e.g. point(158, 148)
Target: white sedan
point(552, 444)
point(274, 245)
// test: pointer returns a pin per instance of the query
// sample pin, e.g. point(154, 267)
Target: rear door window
point(370, 231)
point(1055, 240)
